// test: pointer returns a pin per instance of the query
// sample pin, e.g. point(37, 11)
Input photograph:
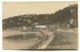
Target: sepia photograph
point(40, 25)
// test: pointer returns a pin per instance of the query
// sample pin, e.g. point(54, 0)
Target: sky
point(10, 9)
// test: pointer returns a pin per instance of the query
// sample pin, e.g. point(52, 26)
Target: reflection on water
point(19, 37)
point(21, 41)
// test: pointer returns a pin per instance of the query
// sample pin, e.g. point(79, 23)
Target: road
point(44, 40)
point(64, 40)
point(48, 37)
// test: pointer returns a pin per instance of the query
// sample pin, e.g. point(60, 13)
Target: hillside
point(28, 20)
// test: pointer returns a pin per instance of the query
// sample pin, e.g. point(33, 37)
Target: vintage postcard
point(40, 25)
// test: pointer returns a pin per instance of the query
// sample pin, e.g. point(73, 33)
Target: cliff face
point(64, 15)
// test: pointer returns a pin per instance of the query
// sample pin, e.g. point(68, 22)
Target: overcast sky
point(20, 8)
